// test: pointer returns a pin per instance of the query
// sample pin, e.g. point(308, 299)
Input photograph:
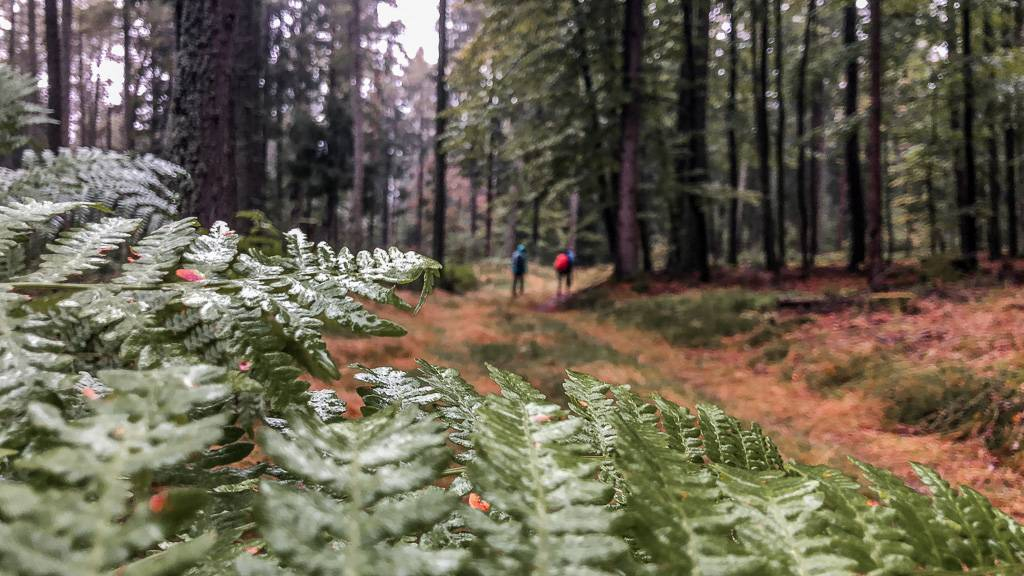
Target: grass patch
point(458, 279)
point(695, 321)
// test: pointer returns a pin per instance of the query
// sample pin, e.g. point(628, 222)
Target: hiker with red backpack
point(563, 267)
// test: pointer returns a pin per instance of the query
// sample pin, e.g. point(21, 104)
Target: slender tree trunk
point(933, 221)
point(83, 93)
point(251, 151)
point(94, 113)
point(491, 177)
point(33, 49)
point(12, 34)
point(627, 264)
point(440, 155)
point(203, 141)
point(995, 193)
point(874, 206)
point(65, 71)
point(109, 129)
point(968, 222)
point(421, 168)
point(127, 94)
point(574, 219)
point(854, 186)
point(818, 152)
point(55, 87)
point(1012, 248)
point(780, 141)
point(355, 224)
point(731, 120)
point(474, 196)
point(759, 46)
point(801, 113)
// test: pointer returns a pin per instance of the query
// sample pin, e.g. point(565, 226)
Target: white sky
point(420, 19)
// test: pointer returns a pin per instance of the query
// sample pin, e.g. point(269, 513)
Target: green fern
point(373, 478)
point(727, 442)
point(17, 112)
point(552, 517)
point(81, 251)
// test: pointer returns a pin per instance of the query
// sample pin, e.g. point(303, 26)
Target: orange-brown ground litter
point(980, 332)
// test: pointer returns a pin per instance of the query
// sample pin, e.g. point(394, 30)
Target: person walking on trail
point(564, 263)
point(519, 270)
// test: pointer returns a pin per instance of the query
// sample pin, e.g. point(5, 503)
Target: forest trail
point(535, 338)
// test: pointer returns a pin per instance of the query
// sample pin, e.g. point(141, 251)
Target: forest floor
point(787, 370)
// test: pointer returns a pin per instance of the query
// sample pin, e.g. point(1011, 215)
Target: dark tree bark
point(440, 156)
point(12, 34)
point(66, 50)
point(780, 132)
point(816, 165)
point(733, 152)
point(203, 141)
point(55, 87)
point(83, 92)
point(421, 167)
point(33, 50)
point(251, 151)
point(874, 203)
point(801, 113)
point(691, 162)
point(355, 224)
point(854, 186)
point(489, 213)
point(128, 94)
point(1013, 38)
point(474, 212)
point(968, 198)
point(995, 193)
point(627, 262)
point(759, 46)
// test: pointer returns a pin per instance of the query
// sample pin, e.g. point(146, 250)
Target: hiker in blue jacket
point(519, 270)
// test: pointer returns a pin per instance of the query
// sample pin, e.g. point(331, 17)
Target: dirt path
point(530, 336)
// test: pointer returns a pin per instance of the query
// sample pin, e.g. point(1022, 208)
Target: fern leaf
point(682, 428)
point(212, 254)
point(19, 218)
point(528, 469)
point(157, 254)
point(727, 442)
point(91, 470)
point(375, 475)
point(82, 250)
point(784, 522)
point(675, 512)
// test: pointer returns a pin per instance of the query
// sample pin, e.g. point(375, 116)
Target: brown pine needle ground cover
point(791, 390)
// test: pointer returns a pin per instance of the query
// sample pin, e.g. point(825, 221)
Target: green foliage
point(16, 111)
point(695, 321)
point(459, 279)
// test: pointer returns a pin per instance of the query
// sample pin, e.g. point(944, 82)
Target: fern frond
point(19, 218)
point(682, 428)
point(212, 254)
point(675, 512)
point(17, 112)
point(93, 469)
point(82, 250)
point(727, 442)
point(157, 254)
point(374, 476)
point(784, 522)
point(528, 469)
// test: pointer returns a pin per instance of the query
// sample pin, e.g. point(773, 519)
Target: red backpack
point(562, 263)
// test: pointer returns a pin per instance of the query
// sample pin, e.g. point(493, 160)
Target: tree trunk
point(203, 141)
point(109, 129)
point(818, 152)
point(627, 264)
point(12, 34)
point(854, 186)
point(128, 95)
point(780, 141)
point(421, 168)
point(55, 87)
point(731, 120)
point(574, 219)
point(251, 147)
point(759, 46)
point(83, 93)
point(491, 177)
point(692, 156)
point(65, 72)
point(33, 50)
point(968, 197)
point(995, 193)
point(440, 156)
point(474, 196)
point(801, 113)
point(355, 224)
point(1013, 38)
point(874, 203)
